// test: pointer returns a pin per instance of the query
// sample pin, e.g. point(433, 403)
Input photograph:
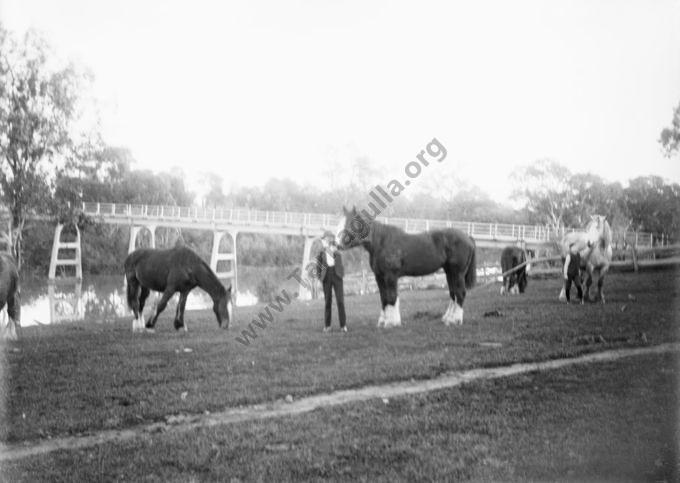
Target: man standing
point(330, 271)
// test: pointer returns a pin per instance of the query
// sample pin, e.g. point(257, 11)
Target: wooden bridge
point(292, 223)
point(231, 222)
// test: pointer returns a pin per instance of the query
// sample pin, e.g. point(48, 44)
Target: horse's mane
point(214, 281)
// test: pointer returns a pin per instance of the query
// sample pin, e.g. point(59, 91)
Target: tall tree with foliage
point(670, 136)
point(654, 206)
point(38, 104)
point(544, 188)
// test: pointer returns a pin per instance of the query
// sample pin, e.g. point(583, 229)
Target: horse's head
point(352, 230)
point(223, 308)
point(597, 230)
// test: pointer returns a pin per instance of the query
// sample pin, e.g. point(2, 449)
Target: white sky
point(257, 89)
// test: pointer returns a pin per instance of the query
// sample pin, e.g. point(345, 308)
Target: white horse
point(595, 247)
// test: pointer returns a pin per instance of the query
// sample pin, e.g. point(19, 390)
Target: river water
point(102, 298)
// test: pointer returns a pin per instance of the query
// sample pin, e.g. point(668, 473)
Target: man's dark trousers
point(333, 282)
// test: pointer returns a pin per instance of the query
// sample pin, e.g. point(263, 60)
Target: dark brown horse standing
point(394, 253)
point(516, 281)
point(9, 295)
point(177, 269)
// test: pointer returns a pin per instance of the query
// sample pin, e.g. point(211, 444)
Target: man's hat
point(328, 234)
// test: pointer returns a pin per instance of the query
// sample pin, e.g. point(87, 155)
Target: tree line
point(50, 164)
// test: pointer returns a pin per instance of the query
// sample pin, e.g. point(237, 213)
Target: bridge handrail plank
point(313, 221)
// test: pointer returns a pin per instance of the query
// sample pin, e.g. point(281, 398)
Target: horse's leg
point(134, 289)
point(447, 318)
point(600, 282)
point(579, 287)
point(459, 291)
point(512, 283)
point(567, 289)
point(392, 316)
point(179, 314)
point(381, 289)
point(563, 295)
point(143, 295)
point(589, 282)
point(456, 283)
point(167, 295)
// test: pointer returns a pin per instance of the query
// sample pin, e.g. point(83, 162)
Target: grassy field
point(75, 379)
point(609, 422)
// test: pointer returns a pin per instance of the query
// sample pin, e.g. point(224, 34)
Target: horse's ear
point(344, 210)
point(229, 289)
point(354, 209)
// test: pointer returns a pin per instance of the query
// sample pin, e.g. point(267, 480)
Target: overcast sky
point(256, 89)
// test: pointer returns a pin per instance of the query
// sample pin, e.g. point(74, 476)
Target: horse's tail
point(471, 273)
point(131, 293)
point(130, 281)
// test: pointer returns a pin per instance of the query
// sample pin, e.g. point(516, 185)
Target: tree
point(590, 194)
point(670, 136)
point(38, 104)
point(653, 205)
point(544, 188)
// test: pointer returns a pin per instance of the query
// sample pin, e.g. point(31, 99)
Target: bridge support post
point(67, 305)
point(134, 232)
point(57, 245)
point(218, 256)
point(304, 292)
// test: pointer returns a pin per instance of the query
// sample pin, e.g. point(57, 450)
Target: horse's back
point(154, 267)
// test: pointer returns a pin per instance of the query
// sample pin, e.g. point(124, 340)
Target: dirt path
point(282, 408)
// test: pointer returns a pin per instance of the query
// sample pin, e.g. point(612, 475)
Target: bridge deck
point(310, 224)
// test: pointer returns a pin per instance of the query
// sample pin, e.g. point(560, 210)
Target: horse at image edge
point(9, 295)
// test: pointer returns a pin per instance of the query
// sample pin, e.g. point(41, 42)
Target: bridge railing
point(310, 220)
point(495, 231)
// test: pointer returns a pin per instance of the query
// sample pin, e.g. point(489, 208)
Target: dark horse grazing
point(394, 253)
point(512, 257)
point(9, 295)
point(177, 269)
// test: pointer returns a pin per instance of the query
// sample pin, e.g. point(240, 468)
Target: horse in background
point(515, 282)
point(9, 295)
point(177, 269)
point(393, 253)
point(594, 246)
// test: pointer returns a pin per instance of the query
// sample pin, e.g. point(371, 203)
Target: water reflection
point(99, 299)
